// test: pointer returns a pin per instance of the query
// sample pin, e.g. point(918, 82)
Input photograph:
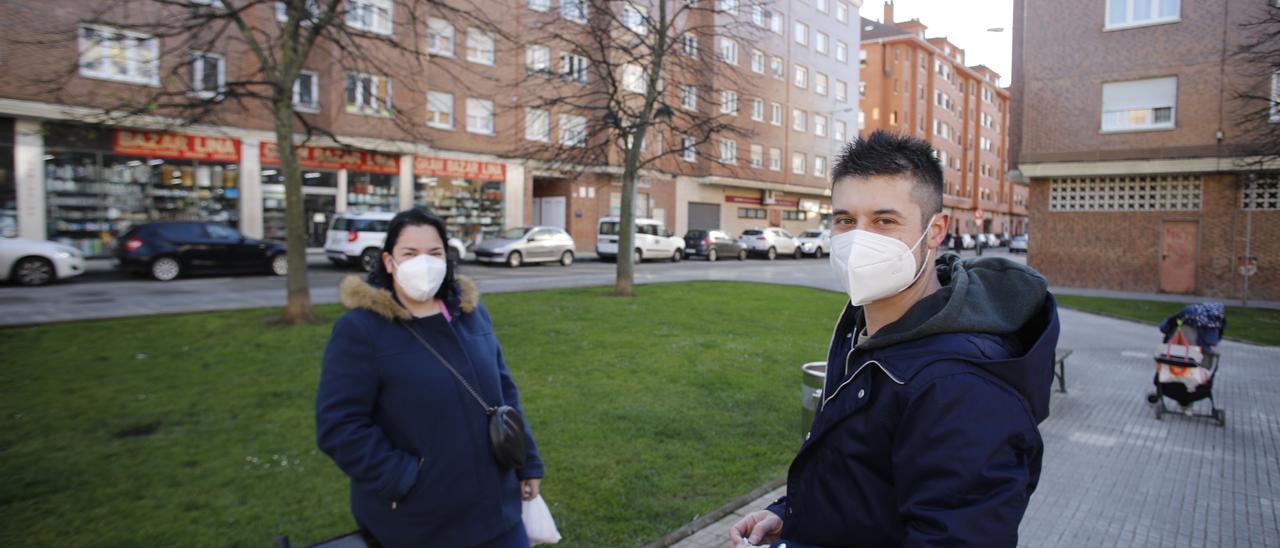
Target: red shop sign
point(175, 146)
point(335, 158)
point(464, 169)
point(742, 199)
point(783, 202)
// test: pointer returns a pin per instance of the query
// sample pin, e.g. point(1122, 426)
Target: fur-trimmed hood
point(357, 293)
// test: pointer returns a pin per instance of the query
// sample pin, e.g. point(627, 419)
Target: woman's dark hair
point(412, 217)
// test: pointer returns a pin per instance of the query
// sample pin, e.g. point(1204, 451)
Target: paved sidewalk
point(1113, 475)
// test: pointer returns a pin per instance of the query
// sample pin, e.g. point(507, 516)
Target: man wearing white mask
point(938, 374)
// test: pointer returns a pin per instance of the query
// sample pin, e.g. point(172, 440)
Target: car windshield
point(752, 232)
point(696, 234)
point(811, 234)
point(515, 233)
point(609, 228)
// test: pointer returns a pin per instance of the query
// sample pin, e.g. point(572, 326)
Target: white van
point(652, 240)
point(356, 238)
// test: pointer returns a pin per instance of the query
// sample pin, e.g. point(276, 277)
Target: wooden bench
point(1060, 367)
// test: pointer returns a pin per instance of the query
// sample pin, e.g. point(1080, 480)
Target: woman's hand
point(529, 488)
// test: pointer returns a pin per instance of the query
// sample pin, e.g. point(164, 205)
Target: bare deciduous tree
point(1259, 113)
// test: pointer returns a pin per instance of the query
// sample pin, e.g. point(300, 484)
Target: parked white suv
point(815, 241)
point(770, 242)
point(357, 238)
point(652, 240)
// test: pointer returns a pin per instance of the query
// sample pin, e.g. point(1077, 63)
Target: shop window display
point(373, 192)
point(319, 201)
point(472, 210)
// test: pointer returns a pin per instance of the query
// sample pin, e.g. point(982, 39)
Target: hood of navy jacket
point(1002, 308)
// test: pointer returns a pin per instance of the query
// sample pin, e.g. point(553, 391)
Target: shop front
point(372, 181)
point(467, 194)
point(100, 182)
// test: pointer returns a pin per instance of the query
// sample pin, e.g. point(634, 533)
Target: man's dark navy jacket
point(927, 431)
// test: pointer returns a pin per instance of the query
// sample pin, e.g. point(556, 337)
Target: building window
point(862, 89)
point(480, 116)
point(367, 94)
point(1132, 13)
point(798, 120)
point(370, 15)
point(111, 54)
point(757, 61)
point(792, 215)
point(728, 151)
point(776, 20)
point(775, 66)
point(1139, 105)
point(1275, 96)
point(537, 60)
point(819, 166)
point(306, 92)
point(313, 12)
point(757, 156)
point(841, 129)
point(752, 213)
point(820, 83)
point(842, 91)
point(208, 75)
point(479, 47)
point(757, 109)
point(573, 67)
point(728, 102)
point(689, 45)
point(633, 79)
point(801, 76)
point(797, 163)
point(775, 114)
point(1261, 195)
point(819, 125)
point(727, 6)
point(439, 110)
point(820, 42)
point(842, 12)
point(728, 51)
point(862, 57)
point(439, 37)
point(574, 10)
point(688, 97)
point(987, 95)
point(842, 52)
point(802, 33)
point(537, 125)
point(540, 5)
point(687, 151)
point(633, 19)
point(822, 5)
point(759, 16)
point(573, 130)
point(1130, 193)
point(775, 159)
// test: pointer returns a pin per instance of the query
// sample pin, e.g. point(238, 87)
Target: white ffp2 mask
point(870, 266)
point(421, 276)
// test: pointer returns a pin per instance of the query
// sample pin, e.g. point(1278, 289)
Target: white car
point(1018, 244)
point(815, 242)
point(38, 262)
point(527, 244)
point(357, 238)
point(652, 241)
point(770, 242)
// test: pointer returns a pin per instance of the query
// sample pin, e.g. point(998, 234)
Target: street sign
point(1247, 266)
point(977, 214)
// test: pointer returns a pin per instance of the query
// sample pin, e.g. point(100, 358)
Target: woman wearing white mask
point(416, 404)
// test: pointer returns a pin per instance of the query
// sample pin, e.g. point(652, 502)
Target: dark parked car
point(171, 249)
point(712, 244)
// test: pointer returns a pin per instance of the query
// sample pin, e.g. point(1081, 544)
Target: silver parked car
point(527, 244)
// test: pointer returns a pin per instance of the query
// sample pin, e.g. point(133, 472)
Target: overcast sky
point(965, 22)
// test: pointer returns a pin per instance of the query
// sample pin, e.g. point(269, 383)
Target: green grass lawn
point(198, 429)
point(1256, 325)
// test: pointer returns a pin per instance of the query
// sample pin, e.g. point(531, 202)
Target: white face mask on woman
point(421, 276)
point(870, 266)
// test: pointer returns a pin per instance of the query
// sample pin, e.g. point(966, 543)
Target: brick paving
point(1115, 476)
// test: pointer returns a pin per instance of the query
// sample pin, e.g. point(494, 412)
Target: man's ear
point(938, 229)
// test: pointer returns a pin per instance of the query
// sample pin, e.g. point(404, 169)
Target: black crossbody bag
point(506, 426)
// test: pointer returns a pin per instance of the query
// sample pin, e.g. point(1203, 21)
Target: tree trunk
point(623, 285)
point(298, 310)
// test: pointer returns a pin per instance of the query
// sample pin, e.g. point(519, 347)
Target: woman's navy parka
point(413, 441)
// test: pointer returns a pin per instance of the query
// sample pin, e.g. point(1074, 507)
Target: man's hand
point(757, 527)
point(529, 488)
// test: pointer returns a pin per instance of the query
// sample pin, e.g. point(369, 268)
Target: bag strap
point(487, 409)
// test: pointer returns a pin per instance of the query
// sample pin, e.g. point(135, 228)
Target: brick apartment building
point(1129, 134)
point(920, 86)
point(64, 179)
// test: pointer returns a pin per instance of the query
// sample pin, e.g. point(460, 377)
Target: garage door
point(704, 216)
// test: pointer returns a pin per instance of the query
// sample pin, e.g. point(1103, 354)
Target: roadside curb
point(706, 520)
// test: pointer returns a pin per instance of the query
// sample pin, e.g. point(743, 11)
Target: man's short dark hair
point(884, 153)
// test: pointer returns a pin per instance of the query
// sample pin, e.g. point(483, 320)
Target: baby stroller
point(1187, 363)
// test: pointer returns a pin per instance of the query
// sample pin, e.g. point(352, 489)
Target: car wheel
point(771, 254)
point(742, 254)
point(817, 253)
point(566, 258)
point(711, 256)
point(369, 259)
point(676, 256)
point(165, 269)
point(515, 259)
point(280, 265)
point(33, 271)
point(796, 254)
point(637, 257)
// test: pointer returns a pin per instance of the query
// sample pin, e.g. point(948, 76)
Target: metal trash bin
point(815, 375)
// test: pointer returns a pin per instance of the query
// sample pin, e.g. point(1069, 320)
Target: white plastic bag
point(538, 522)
